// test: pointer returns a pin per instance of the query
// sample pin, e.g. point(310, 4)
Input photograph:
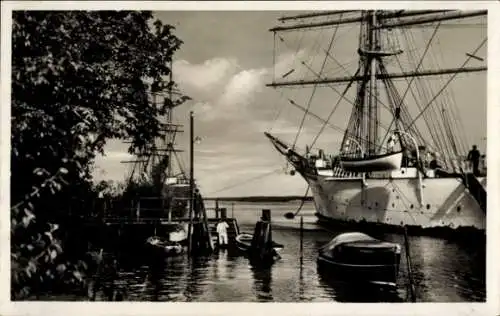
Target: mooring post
point(261, 246)
point(301, 240)
point(266, 215)
point(216, 208)
point(409, 266)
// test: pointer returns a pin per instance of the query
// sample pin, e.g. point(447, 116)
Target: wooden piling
point(223, 213)
point(216, 208)
point(261, 249)
point(266, 215)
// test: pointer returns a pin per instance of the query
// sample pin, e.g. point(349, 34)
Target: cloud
point(225, 90)
point(204, 76)
point(118, 155)
point(242, 86)
point(232, 110)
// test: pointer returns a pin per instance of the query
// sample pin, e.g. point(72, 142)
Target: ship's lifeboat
point(385, 162)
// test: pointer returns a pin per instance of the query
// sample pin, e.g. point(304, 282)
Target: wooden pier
point(130, 226)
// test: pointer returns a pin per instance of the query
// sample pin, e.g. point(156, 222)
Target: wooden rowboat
point(358, 258)
point(164, 247)
point(244, 242)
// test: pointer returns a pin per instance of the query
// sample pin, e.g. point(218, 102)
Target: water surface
point(444, 270)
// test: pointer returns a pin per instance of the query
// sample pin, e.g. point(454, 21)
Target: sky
point(224, 64)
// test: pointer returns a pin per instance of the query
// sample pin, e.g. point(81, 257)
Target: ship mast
point(373, 44)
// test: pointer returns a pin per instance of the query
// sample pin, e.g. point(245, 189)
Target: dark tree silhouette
point(79, 78)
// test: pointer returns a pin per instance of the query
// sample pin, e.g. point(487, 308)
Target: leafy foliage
point(79, 78)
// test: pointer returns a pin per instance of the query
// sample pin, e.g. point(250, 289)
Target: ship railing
point(339, 172)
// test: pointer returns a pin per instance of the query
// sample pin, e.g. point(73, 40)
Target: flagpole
point(191, 180)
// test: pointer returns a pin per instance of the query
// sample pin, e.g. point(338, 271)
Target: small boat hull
point(165, 248)
point(244, 243)
point(387, 162)
point(359, 258)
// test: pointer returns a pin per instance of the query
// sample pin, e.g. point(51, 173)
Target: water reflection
point(197, 278)
point(444, 271)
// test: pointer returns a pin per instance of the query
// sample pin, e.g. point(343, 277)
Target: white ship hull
point(446, 202)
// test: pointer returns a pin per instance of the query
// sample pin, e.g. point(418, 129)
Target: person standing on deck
point(391, 143)
point(222, 227)
point(473, 157)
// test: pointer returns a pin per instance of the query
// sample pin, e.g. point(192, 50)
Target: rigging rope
point(247, 181)
point(435, 129)
point(448, 82)
point(302, 202)
point(420, 62)
point(334, 109)
point(332, 87)
point(449, 137)
point(460, 127)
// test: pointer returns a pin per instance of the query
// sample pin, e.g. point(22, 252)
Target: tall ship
point(403, 154)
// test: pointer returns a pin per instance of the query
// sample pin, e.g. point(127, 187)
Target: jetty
point(115, 225)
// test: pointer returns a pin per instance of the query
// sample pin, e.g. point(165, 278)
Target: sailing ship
point(411, 171)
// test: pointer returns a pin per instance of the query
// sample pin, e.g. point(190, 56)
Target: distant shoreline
point(288, 198)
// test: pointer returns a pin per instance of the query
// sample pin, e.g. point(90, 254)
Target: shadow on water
point(262, 279)
point(197, 277)
point(349, 293)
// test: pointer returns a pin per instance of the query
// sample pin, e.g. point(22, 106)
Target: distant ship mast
point(157, 165)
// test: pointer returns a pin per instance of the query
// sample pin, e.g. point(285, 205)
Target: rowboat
point(164, 247)
point(244, 243)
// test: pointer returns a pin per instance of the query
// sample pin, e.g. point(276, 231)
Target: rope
point(302, 202)
point(247, 181)
point(334, 109)
point(436, 129)
point(447, 83)
point(420, 61)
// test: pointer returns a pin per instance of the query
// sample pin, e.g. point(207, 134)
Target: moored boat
point(164, 247)
point(358, 258)
point(244, 243)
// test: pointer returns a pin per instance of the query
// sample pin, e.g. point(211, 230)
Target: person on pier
point(222, 227)
point(473, 157)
